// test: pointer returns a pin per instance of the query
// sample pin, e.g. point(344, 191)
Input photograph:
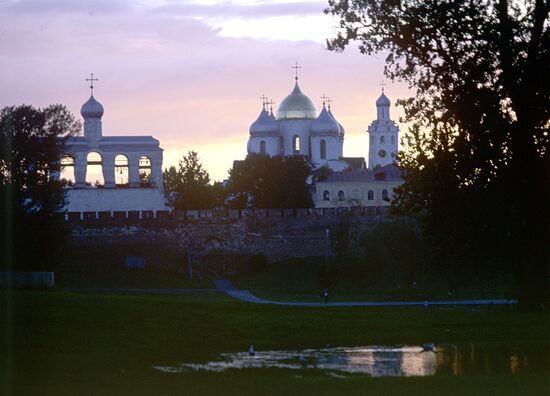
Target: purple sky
point(188, 73)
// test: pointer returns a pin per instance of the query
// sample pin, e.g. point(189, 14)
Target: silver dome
point(296, 105)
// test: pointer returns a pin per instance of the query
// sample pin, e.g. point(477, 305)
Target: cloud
point(175, 76)
point(232, 10)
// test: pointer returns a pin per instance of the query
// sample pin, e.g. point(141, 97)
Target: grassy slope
point(298, 280)
point(106, 344)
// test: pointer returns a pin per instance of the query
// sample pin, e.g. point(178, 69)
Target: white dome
point(92, 108)
point(265, 124)
point(296, 105)
point(382, 100)
point(342, 130)
point(325, 124)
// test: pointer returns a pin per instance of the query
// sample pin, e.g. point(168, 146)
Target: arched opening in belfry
point(262, 147)
point(144, 171)
point(121, 170)
point(323, 149)
point(94, 170)
point(296, 144)
point(67, 171)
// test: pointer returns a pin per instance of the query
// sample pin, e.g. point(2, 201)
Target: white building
point(367, 187)
point(111, 174)
point(296, 129)
point(383, 135)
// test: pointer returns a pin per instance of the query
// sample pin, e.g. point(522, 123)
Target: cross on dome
point(382, 84)
point(264, 100)
point(324, 98)
point(296, 67)
point(328, 101)
point(270, 102)
point(91, 80)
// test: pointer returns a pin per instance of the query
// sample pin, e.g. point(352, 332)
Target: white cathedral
point(297, 129)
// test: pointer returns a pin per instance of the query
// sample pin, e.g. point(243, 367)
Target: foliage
point(32, 142)
point(190, 183)
point(274, 182)
point(477, 150)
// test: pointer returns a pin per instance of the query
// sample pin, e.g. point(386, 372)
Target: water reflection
point(384, 361)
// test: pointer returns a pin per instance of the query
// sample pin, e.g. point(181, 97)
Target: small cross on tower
point(264, 100)
point(270, 103)
point(324, 98)
point(296, 67)
point(328, 101)
point(382, 84)
point(91, 80)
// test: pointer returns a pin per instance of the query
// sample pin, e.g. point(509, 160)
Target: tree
point(32, 143)
point(274, 182)
point(190, 182)
point(477, 149)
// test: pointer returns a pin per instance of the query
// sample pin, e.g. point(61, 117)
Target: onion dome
point(382, 101)
point(342, 130)
point(265, 124)
point(325, 124)
point(296, 105)
point(92, 108)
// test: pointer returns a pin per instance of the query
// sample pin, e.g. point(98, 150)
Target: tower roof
point(92, 108)
point(296, 105)
point(325, 124)
point(383, 100)
point(265, 123)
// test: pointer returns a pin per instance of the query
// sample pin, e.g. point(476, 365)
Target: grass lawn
point(298, 280)
point(92, 344)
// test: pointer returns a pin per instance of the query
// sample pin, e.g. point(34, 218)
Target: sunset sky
point(189, 73)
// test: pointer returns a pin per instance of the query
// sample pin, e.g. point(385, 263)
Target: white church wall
point(271, 145)
point(333, 149)
point(355, 193)
point(290, 128)
point(114, 199)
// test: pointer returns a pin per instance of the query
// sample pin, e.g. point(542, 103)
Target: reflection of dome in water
point(296, 105)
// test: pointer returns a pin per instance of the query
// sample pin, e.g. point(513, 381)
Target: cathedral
point(298, 129)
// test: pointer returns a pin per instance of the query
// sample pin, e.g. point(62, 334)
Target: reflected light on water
point(385, 361)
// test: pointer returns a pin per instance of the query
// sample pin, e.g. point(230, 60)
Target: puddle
point(387, 361)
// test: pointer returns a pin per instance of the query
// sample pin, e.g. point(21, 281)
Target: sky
point(189, 73)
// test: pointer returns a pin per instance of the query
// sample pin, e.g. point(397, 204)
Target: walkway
point(245, 295)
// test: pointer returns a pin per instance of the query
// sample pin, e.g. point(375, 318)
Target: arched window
point(341, 196)
point(94, 171)
point(370, 195)
point(385, 196)
point(296, 144)
point(121, 170)
point(67, 171)
point(262, 147)
point(323, 149)
point(326, 195)
point(382, 139)
point(144, 171)
point(393, 139)
point(281, 145)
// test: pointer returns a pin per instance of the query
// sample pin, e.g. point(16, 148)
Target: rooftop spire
point(382, 84)
point(296, 67)
point(324, 98)
point(91, 80)
point(264, 100)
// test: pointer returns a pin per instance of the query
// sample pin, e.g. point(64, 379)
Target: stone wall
point(278, 234)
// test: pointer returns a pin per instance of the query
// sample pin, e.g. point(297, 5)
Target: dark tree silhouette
point(190, 181)
point(32, 143)
point(274, 182)
point(477, 148)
